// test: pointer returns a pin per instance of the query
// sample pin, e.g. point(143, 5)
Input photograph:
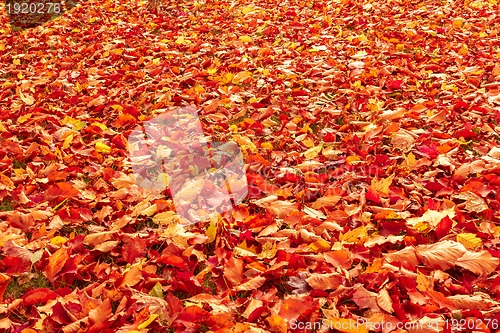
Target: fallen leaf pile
point(371, 137)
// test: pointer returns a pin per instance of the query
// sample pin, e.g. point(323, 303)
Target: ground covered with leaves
point(370, 131)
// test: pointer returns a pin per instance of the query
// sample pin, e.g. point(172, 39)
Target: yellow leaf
point(352, 159)
point(422, 227)
point(312, 152)
point(424, 282)
point(7, 84)
point(248, 9)
point(67, 141)
point(58, 240)
point(458, 23)
point(266, 145)
point(212, 229)
point(24, 118)
point(245, 39)
point(102, 148)
point(245, 142)
point(16, 62)
point(431, 217)
point(464, 50)
point(157, 290)
point(238, 78)
point(411, 161)
point(355, 235)
point(156, 61)
point(166, 218)
point(100, 125)
point(277, 324)
point(382, 185)
point(212, 71)
point(149, 211)
point(164, 179)
point(308, 142)
point(357, 84)
point(268, 251)
point(199, 89)
point(117, 107)
point(469, 240)
point(145, 324)
point(320, 245)
point(244, 250)
point(92, 19)
point(226, 78)
point(180, 40)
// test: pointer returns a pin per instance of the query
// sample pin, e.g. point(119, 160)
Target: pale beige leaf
point(407, 254)
point(324, 281)
point(365, 299)
point(166, 218)
point(98, 238)
point(478, 301)
point(441, 255)
point(379, 240)
point(252, 306)
point(312, 152)
point(384, 301)
point(28, 99)
point(314, 213)
point(478, 262)
point(403, 141)
point(252, 284)
point(473, 202)
point(432, 217)
point(326, 201)
point(106, 246)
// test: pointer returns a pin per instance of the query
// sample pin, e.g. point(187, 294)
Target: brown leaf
point(384, 301)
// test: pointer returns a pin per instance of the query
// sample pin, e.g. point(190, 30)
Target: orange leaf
point(56, 263)
point(292, 308)
point(132, 277)
point(276, 324)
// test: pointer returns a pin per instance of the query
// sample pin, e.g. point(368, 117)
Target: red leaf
point(38, 296)
point(292, 308)
point(393, 85)
point(133, 249)
point(443, 227)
